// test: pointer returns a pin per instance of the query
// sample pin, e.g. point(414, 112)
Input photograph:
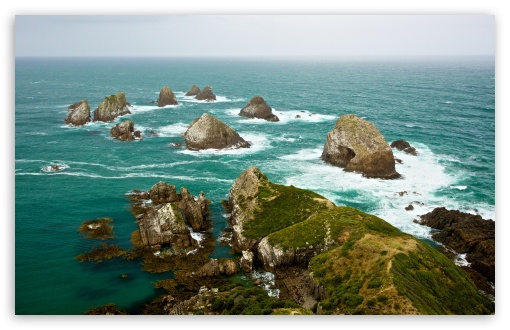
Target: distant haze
point(327, 36)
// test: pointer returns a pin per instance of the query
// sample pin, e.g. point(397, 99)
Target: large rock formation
point(162, 193)
point(125, 131)
point(79, 113)
point(207, 132)
point(357, 145)
point(404, 146)
point(216, 267)
point(194, 90)
point(166, 97)
point(206, 94)
point(465, 234)
point(195, 211)
point(258, 108)
point(112, 107)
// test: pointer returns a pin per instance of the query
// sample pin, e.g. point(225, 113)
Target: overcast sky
point(255, 36)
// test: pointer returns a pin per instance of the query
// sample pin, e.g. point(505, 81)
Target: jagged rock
point(163, 192)
point(258, 108)
point(195, 212)
point(465, 233)
point(207, 132)
point(247, 261)
point(206, 94)
point(125, 131)
point(166, 97)
point(164, 224)
point(217, 267)
point(357, 145)
point(409, 207)
point(194, 90)
point(404, 146)
point(79, 113)
point(112, 107)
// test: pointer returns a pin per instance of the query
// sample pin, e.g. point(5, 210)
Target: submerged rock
point(166, 97)
point(79, 113)
point(258, 108)
point(112, 107)
point(207, 132)
point(357, 145)
point(125, 131)
point(404, 146)
point(194, 90)
point(206, 94)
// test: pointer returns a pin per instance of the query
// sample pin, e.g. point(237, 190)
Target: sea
point(444, 107)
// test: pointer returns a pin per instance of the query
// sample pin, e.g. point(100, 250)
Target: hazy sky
point(255, 36)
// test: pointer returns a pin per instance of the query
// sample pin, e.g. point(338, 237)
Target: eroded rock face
point(194, 90)
point(247, 261)
point(166, 97)
point(404, 146)
point(258, 108)
point(465, 233)
point(163, 192)
point(206, 94)
point(357, 145)
point(112, 107)
point(195, 212)
point(79, 113)
point(125, 131)
point(216, 267)
point(207, 132)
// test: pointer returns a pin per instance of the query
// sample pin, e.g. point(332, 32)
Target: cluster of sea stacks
point(326, 259)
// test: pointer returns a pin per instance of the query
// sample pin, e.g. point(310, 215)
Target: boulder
point(166, 97)
point(465, 233)
point(163, 192)
point(79, 113)
point(112, 107)
point(207, 132)
point(194, 90)
point(125, 131)
point(357, 145)
point(206, 95)
point(404, 146)
point(258, 108)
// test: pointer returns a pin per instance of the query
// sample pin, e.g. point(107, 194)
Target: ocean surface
point(443, 108)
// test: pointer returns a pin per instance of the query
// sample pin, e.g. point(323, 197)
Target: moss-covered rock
point(97, 229)
point(112, 107)
point(166, 97)
point(357, 145)
point(79, 113)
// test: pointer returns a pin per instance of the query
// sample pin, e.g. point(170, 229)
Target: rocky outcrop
point(79, 113)
point(162, 193)
point(206, 94)
point(465, 234)
point(404, 146)
point(125, 131)
point(217, 267)
point(194, 90)
point(112, 107)
point(247, 261)
point(195, 212)
point(207, 132)
point(357, 145)
point(166, 97)
point(258, 108)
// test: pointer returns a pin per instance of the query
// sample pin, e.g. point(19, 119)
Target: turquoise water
point(445, 109)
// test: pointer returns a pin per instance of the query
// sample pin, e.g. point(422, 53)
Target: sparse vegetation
point(97, 229)
point(98, 254)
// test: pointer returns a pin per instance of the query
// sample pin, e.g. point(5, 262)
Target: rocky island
point(207, 132)
point(166, 97)
point(125, 131)
point(193, 91)
point(112, 107)
point(357, 145)
point(258, 108)
point(79, 113)
point(206, 94)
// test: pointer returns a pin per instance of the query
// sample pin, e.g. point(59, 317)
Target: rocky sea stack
point(79, 113)
point(194, 90)
point(112, 107)
point(258, 108)
point(125, 131)
point(357, 145)
point(166, 97)
point(404, 146)
point(207, 132)
point(206, 94)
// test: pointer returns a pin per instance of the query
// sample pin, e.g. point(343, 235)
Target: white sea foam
point(172, 130)
point(285, 116)
point(36, 133)
point(219, 99)
point(266, 282)
point(145, 108)
point(460, 260)
point(54, 168)
point(258, 142)
point(459, 187)
point(410, 125)
point(197, 236)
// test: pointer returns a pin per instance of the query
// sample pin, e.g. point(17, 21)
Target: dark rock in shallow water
point(194, 90)
point(125, 131)
point(258, 108)
point(404, 146)
point(207, 132)
point(357, 145)
point(166, 97)
point(465, 234)
point(112, 107)
point(206, 94)
point(79, 113)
